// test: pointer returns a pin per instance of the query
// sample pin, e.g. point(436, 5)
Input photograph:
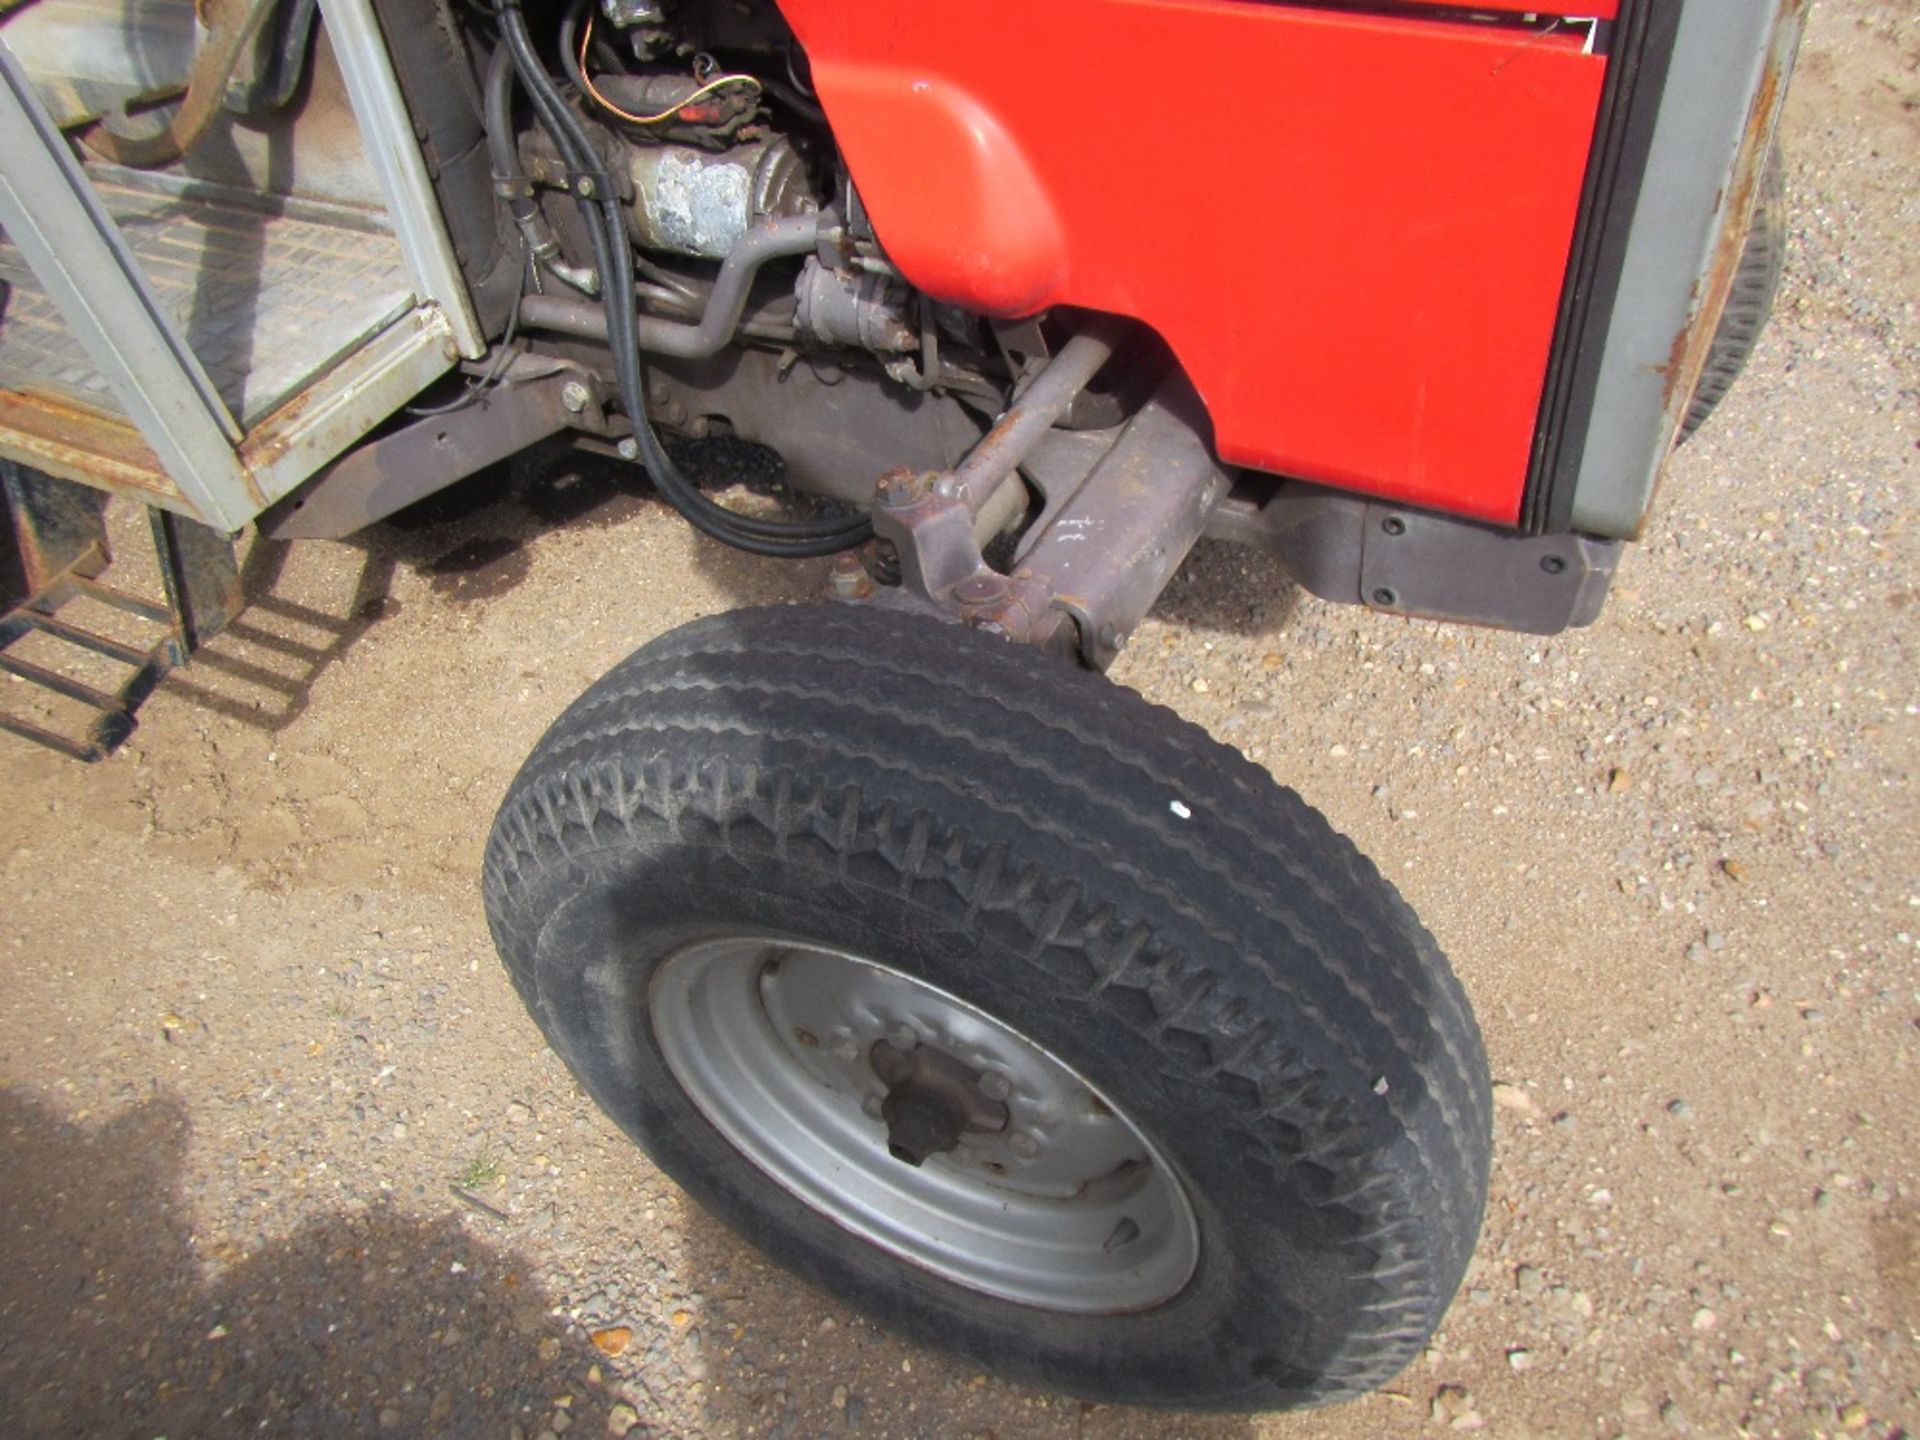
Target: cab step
point(53, 554)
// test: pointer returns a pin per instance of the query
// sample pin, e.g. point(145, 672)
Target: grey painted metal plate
point(268, 302)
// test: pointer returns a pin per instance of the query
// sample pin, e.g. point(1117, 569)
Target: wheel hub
point(932, 1100)
point(929, 1128)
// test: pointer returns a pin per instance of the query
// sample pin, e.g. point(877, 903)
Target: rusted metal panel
point(344, 404)
point(85, 446)
point(1693, 342)
point(1719, 103)
point(278, 454)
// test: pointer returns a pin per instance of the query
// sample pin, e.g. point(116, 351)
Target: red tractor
point(974, 988)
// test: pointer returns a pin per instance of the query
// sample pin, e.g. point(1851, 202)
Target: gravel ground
point(283, 1155)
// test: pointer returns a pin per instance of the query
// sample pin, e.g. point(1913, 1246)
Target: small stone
point(560, 1423)
point(1528, 1281)
point(839, 1397)
point(1452, 1406)
point(218, 1332)
point(1733, 869)
point(1680, 1109)
point(1512, 1097)
point(1199, 685)
point(621, 1419)
point(1853, 1416)
point(1520, 1360)
point(614, 1339)
point(1704, 1320)
point(1618, 781)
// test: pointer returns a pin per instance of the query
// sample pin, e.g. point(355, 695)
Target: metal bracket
point(532, 399)
point(1099, 557)
point(1348, 549)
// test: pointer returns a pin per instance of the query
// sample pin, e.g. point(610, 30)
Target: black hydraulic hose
point(606, 229)
point(509, 177)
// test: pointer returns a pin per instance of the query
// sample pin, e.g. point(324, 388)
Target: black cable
point(613, 254)
point(476, 389)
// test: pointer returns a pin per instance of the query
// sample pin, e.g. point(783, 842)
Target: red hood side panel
point(1351, 230)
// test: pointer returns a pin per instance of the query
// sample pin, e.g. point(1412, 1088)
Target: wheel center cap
point(932, 1100)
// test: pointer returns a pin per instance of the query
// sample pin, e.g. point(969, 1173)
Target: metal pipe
point(990, 464)
point(770, 240)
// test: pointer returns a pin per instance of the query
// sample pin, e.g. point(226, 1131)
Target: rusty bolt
point(979, 589)
point(575, 396)
point(848, 578)
point(898, 487)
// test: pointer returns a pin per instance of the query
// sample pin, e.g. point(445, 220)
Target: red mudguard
point(1352, 230)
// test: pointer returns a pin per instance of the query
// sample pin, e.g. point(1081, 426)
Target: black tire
point(1750, 301)
point(1059, 853)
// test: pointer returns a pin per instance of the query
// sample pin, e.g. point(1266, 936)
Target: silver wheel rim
point(1069, 1207)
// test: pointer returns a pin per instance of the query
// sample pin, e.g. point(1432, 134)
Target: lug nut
point(575, 396)
point(994, 1085)
point(901, 1037)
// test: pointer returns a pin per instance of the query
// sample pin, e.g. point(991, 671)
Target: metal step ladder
point(53, 553)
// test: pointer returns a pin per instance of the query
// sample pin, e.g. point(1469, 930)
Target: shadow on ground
point(360, 1323)
point(783, 1359)
point(1229, 589)
point(473, 543)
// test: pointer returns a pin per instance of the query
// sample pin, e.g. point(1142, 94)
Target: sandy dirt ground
point(281, 1154)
